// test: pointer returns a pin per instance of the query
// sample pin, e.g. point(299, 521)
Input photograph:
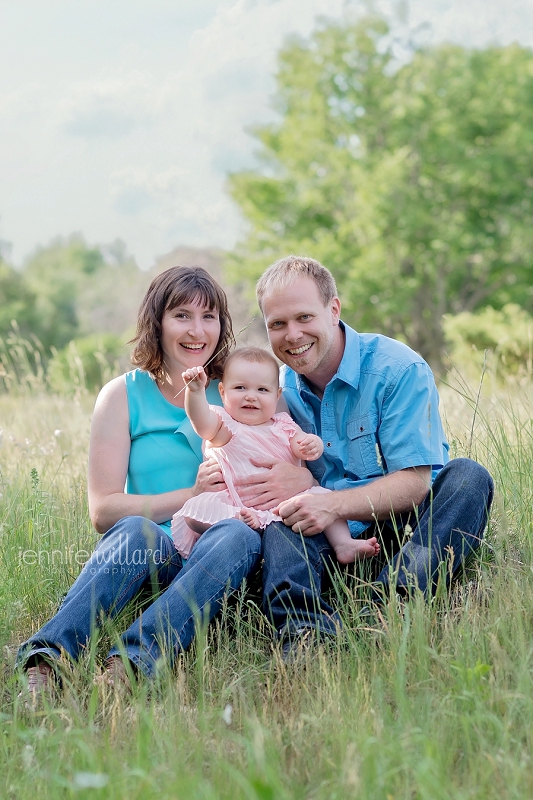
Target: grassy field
point(439, 704)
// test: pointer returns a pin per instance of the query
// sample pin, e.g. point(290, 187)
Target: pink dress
point(234, 458)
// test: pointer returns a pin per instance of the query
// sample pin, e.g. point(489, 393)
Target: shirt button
point(328, 444)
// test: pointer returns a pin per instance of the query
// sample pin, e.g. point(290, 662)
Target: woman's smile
point(189, 335)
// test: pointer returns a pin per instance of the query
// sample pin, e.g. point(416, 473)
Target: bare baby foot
point(355, 549)
point(249, 517)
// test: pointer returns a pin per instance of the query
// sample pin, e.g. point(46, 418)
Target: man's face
point(304, 333)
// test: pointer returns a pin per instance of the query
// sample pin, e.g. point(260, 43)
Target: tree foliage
point(507, 333)
point(71, 309)
point(17, 302)
point(412, 181)
point(80, 289)
point(57, 276)
point(76, 304)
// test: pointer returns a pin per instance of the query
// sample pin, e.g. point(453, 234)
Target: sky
point(122, 118)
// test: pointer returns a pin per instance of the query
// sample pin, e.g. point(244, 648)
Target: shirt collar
point(349, 369)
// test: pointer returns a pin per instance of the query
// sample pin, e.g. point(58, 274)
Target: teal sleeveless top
point(165, 450)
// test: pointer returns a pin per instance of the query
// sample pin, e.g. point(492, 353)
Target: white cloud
point(112, 106)
point(476, 23)
point(129, 116)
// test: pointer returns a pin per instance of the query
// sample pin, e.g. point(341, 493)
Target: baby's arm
point(205, 422)
point(306, 446)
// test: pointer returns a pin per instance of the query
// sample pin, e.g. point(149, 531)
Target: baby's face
point(250, 391)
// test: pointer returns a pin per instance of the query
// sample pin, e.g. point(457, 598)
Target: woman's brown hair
point(175, 287)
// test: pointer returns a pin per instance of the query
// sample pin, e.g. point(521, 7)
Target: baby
point(248, 427)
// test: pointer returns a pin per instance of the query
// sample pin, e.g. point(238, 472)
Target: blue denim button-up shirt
point(379, 414)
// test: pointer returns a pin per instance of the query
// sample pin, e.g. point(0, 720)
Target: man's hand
point(308, 514)
point(393, 493)
point(266, 490)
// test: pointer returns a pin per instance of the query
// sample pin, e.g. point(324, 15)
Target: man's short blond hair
point(280, 274)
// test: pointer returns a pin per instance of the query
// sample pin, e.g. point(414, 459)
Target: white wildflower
point(28, 756)
point(89, 780)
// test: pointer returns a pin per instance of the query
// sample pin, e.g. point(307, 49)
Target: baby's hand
point(311, 446)
point(195, 379)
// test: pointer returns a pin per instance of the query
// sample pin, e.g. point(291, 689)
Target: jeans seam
point(228, 580)
point(142, 575)
point(208, 601)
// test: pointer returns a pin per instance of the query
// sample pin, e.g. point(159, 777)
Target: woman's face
point(189, 335)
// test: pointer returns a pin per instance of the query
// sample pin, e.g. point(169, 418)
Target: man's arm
point(394, 493)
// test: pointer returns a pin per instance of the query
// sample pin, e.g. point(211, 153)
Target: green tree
point(17, 302)
point(57, 276)
point(412, 181)
point(80, 290)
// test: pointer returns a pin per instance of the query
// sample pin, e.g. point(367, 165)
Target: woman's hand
point(209, 478)
point(266, 490)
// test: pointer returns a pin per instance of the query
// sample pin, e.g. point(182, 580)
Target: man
point(374, 403)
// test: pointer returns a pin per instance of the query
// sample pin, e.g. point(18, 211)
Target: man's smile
point(297, 351)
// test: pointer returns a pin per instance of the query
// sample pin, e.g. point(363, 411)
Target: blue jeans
point(447, 526)
point(135, 554)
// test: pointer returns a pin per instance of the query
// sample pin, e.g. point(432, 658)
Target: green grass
point(439, 704)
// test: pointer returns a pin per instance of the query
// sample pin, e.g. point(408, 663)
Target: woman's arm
point(109, 454)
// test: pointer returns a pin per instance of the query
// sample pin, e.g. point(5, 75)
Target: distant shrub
point(88, 363)
point(507, 333)
point(22, 362)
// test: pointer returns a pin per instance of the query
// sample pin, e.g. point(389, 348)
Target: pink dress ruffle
point(234, 458)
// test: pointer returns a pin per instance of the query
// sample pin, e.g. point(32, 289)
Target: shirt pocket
point(365, 458)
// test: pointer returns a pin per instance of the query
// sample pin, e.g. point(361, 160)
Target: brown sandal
point(40, 677)
point(41, 680)
point(114, 674)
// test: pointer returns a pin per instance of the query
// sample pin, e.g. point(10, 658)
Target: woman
point(145, 461)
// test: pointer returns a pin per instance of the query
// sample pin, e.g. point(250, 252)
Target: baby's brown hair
point(254, 354)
